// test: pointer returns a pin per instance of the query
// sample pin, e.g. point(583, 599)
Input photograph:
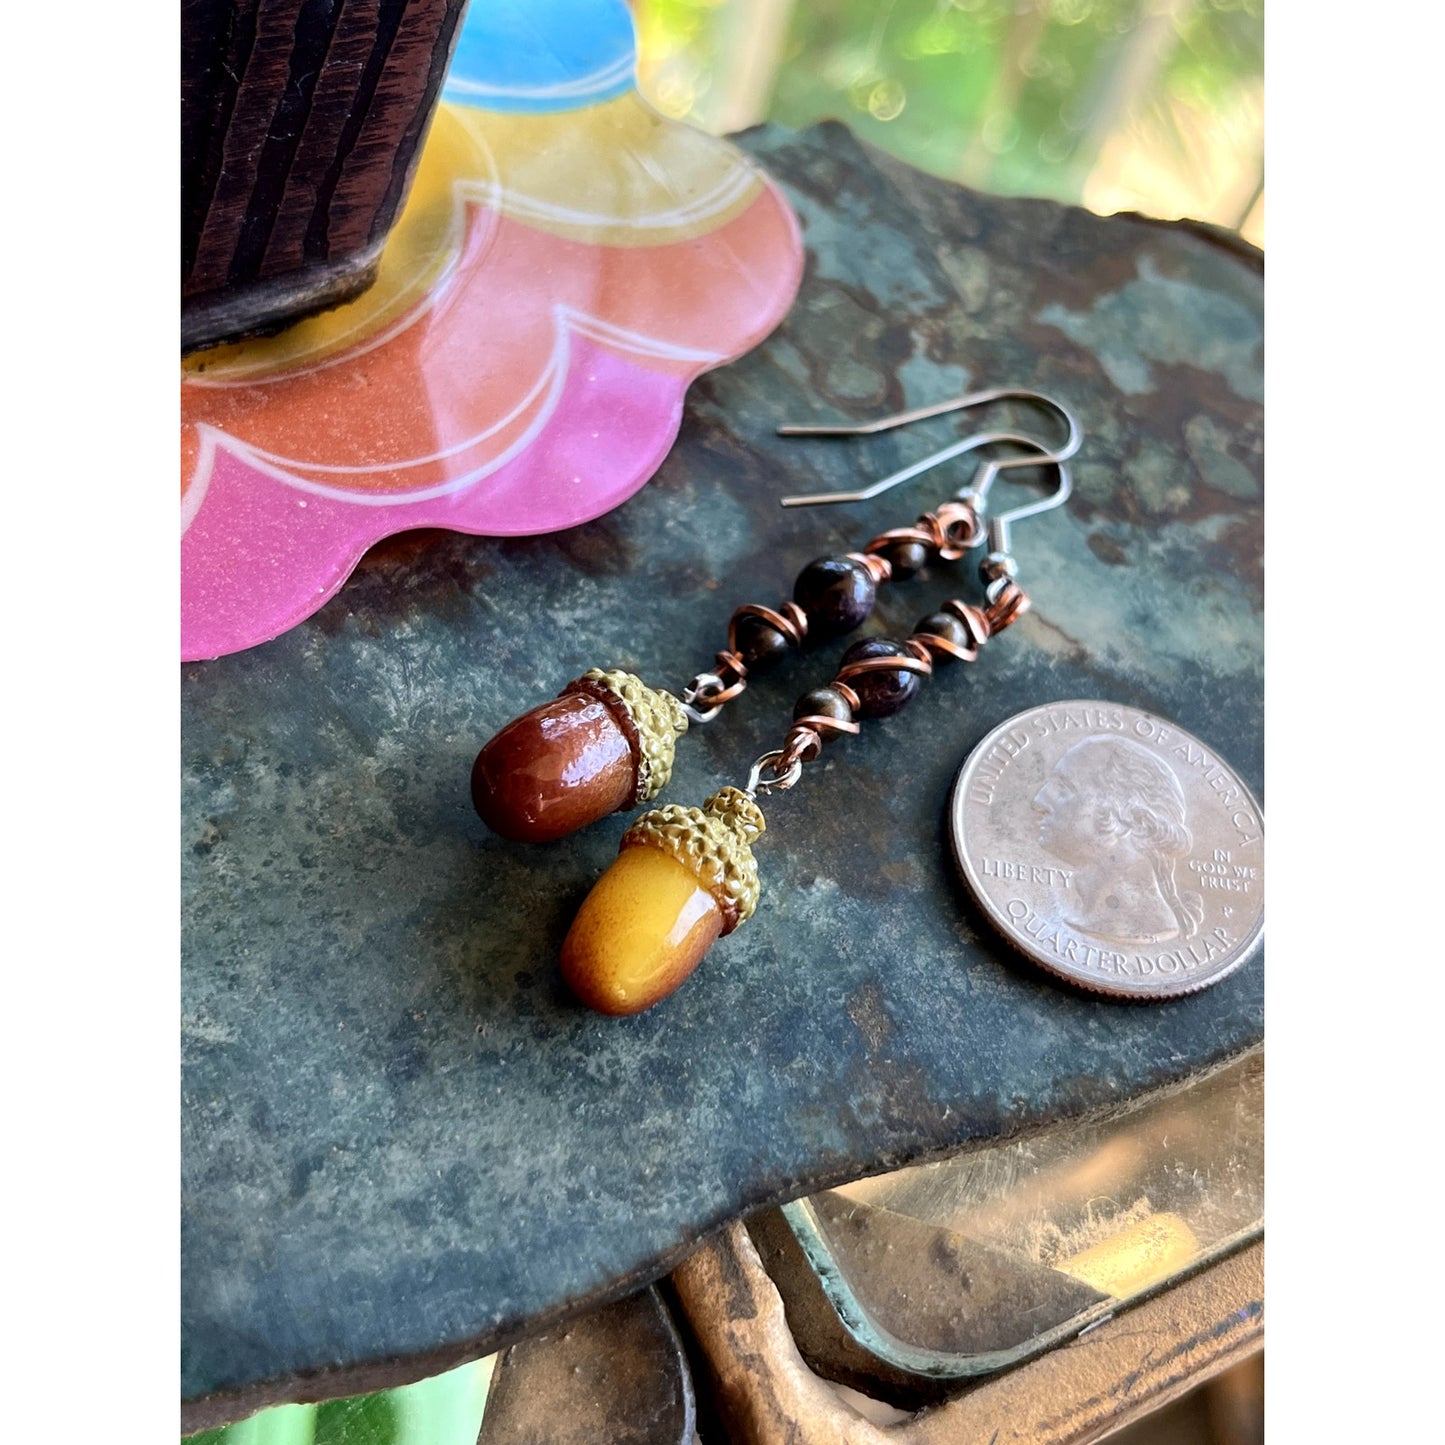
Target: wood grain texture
point(301, 121)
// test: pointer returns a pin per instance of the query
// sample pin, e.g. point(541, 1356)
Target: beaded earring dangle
point(606, 743)
point(685, 877)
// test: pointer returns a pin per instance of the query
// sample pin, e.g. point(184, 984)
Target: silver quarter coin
point(1113, 848)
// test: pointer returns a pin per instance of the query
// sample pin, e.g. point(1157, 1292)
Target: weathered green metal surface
point(403, 1144)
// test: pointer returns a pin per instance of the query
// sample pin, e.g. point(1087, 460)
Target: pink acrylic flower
point(566, 263)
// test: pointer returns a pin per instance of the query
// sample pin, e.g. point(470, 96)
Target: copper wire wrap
point(829, 726)
point(880, 569)
point(980, 622)
point(975, 619)
point(1010, 604)
point(790, 620)
point(805, 739)
point(976, 624)
point(734, 673)
point(949, 532)
point(915, 659)
point(804, 743)
point(936, 644)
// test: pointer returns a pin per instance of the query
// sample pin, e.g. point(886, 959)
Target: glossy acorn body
point(554, 770)
point(605, 744)
point(641, 931)
point(682, 879)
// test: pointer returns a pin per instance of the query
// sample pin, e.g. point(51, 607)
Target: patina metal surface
point(403, 1144)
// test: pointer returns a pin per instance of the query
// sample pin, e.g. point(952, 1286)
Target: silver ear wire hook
point(1037, 455)
point(1000, 524)
point(941, 408)
point(998, 568)
point(999, 563)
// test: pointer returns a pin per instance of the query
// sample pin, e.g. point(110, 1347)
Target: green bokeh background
point(1154, 105)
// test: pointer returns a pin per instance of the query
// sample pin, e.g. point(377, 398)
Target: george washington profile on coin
point(1116, 813)
point(1112, 847)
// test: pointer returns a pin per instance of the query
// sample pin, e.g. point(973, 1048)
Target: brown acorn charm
point(606, 743)
point(682, 879)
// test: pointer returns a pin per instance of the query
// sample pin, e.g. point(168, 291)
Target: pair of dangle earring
point(685, 877)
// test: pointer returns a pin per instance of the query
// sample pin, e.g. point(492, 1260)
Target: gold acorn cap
point(714, 843)
point(653, 720)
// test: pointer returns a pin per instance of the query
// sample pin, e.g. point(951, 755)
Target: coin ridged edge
point(1005, 932)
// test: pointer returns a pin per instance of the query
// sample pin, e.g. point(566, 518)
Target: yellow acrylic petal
point(617, 174)
point(423, 245)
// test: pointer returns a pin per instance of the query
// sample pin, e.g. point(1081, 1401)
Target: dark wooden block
point(301, 121)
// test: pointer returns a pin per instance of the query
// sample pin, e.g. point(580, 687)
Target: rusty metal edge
point(206, 1412)
point(1115, 1372)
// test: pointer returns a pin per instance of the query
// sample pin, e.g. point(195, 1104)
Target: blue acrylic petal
point(542, 55)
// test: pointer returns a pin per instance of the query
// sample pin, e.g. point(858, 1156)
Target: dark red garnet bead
point(837, 593)
point(884, 691)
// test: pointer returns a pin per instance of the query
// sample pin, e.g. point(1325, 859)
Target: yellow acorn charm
point(683, 878)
